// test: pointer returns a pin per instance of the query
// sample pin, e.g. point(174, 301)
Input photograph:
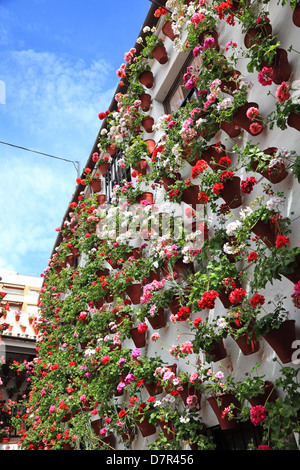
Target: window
point(178, 93)
point(116, 174)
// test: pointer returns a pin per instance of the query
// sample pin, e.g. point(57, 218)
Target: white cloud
point(56, 99)
point(52, 104)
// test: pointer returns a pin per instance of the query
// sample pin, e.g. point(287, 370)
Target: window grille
point(116, 174)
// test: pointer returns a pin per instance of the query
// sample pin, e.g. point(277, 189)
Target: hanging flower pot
point(181, 268)
point(296, 16)
point(293, 120)
point(146, 79)
point(101, 198)
point(217, 352)
point(111, 149)
point(154, 275)
point(146, 428)
point(294, 276)
point(146, 196)
point(189, 389)
point(96, 185)
point(229, 83)
point(145, 99)
point(158, 320)
point(160, 54)
point(212, 156)
point(230, 128)
point(174, 306)
point(221, 402)
point(141, 167)
point(167, 181)
point(134, 291)
point(108, 440)
point(276, 173)
point(240, 119)
point(254, 35)
point(266, 231)
point(168, 30)
point(269, 395)
point(282, 339)
point(213, 34)
point(190, 196)
point(168, 429)
point(231, 192)
point(103, 168)
point(247, 344)
point(148, 123)
point(154, 388)
point(281, 67)
point(151, 145)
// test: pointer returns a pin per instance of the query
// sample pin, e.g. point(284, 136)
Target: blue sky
point(58, 62)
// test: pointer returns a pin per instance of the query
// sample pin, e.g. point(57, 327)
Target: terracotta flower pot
point(269, 395)
point(103, 168)
point(141, 167)
point(145, 101)
point(146, 428)
point(96, 185)
point(168, 30)
point(158, 320)
point(153, 388)
point(296, 16)
point(240, 118)
point(219, 403)
point(111, 149)
point(167, 181)
point(174, 306)
point(207, 34)
point(229, 82)
point(282, 339)
point(190, 196)
point(231, 192)
point(212, 156)
point(139, 339)
point(160, 54)
point(134, 291)
point(277, 173)
point(146, 79)
point(146, 196)
point(230, 128)
point(266, 231)
point(294, 121)
point(246, 345)
point(168, 429)
point(218, 352)
point(189, 389)
point(294, 276)
point(147, 124)
point(101, 198)
point(281, 67)
point(151, 145)
point(254, 35)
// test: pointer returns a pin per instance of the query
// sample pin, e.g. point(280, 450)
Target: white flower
point(184, 420)
point(221, 322)
point(245, 212)
point(273, 202)
point(233, 227)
